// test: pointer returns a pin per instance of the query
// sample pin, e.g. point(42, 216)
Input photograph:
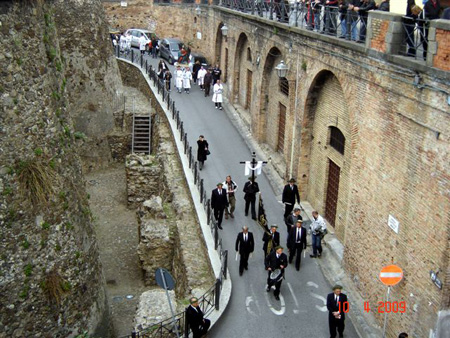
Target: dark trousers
point(363, 28)
point(336, 325)
point(296, 250)
point(410, 39)
point(243, 263)
point(317, 244)
point(251, 202)
point(277, 284)
point(207, 88)
point(288, 209)
point(197, 333)
point(218, 214)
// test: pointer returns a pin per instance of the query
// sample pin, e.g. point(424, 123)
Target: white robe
point(217, 96)
point(128, 40)
point(123, 42)
point(187, 77)
point(201, 76)
point(179, 78)
point(142, 43)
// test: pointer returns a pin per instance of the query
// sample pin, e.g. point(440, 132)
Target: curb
point(213, 255)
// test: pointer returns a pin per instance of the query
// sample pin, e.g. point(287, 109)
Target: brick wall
point(396, 155)
point(442, 58)
point(379, 31)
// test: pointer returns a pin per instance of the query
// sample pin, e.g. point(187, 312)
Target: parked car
point(136, 34)
point(169, 49)
point(199, 57)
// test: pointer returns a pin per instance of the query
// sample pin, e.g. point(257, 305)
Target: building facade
point(364, 130)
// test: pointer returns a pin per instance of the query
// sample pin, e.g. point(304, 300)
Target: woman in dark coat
point(202, 150)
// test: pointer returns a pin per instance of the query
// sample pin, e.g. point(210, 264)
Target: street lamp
point(198, 10)
point(282, 69)
point(224, 30)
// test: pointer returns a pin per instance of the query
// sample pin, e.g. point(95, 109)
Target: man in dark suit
point(291, 220)
point(276, 260)
point(290, 194)
point(251, 188)
point(219, 202)
point(271, 240)
point(297, 242)
point(337, 305)
point(194, 317)
point(245, 246)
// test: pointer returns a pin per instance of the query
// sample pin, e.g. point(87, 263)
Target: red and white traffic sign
point(391, 275)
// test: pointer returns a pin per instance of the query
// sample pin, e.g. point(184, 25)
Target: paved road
point(252, 312)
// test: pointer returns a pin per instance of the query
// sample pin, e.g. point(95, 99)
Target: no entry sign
point(391, 275)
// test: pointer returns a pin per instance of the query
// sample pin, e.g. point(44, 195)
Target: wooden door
point(248, 99)
point(281, 128)
point(332, 192)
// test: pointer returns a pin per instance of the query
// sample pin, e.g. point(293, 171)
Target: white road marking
point(320, 308)
point(282, 303)
point(248, 301)
point(296, 311)
point(252, 300)
point(312, 284)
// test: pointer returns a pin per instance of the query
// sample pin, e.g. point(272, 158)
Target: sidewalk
point(330, 264)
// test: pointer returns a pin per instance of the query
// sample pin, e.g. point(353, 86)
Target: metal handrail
point(207, 304)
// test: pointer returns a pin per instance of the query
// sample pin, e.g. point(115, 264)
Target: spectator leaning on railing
point(430, 12)
point(352, 15)
point(384, 6)
point(363, 10)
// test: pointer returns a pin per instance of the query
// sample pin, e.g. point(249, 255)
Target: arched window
point(284, 86)
point(337, 140)
point(249, 54)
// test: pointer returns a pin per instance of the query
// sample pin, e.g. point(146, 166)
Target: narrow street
point(252, 312)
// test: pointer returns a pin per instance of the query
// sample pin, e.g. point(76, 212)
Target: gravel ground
point(117, 235)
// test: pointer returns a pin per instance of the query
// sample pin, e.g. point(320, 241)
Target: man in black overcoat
point(271, 240)
point(290, 194)
point(245, 246)
point(251, 188)
point(194, 317)
point(219, 201)
point(276, 260)
point(337, 305)
point(296, 244)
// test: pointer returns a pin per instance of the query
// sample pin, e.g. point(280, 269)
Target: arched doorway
point(268, 122)
point(326, 156)
point(218, 50)
point(242, 74)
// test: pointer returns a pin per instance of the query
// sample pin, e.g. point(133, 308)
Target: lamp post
point(224, 31)
point(282, 70)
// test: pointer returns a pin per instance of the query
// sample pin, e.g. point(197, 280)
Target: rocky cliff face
point(57, 86)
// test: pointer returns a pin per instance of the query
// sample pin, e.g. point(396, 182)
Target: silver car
point(169, 49)
point(136, 35)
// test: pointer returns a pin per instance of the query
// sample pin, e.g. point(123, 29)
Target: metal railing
point(325, 19)
point(415, 39)
point(210, 300)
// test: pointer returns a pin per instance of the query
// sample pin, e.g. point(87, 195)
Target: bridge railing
point(210, 300)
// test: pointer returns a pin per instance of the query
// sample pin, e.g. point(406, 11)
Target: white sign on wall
point(199, 35)
point(123, 4)
point(393, 223)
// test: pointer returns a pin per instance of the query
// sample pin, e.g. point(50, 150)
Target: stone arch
point(242, 72)
point(324, 171)
point(218, 45)
point(268, 113)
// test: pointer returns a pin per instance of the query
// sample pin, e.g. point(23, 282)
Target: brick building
point(364, 130)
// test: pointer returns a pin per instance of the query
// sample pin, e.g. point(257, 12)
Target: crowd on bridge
point(347, 19)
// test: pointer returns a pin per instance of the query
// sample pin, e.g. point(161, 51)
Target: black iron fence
point(331, 20)
point(210, 300)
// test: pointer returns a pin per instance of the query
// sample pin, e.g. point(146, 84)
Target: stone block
point(153, 308)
